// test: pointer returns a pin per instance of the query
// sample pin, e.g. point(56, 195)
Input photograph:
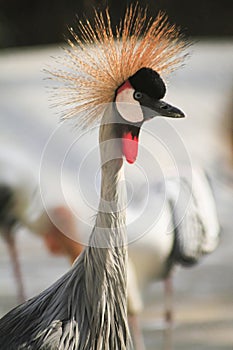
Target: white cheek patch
point(128, 107)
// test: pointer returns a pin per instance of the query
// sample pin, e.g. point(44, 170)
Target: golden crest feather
point(100, 59)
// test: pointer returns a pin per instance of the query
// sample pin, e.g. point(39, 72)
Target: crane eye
point(137, 95)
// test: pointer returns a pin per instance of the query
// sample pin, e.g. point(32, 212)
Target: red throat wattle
point(130, 147)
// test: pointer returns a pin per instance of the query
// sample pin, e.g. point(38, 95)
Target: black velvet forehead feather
point(148, 81)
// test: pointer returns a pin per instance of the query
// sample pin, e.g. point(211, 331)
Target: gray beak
point(163, 109)
point(158, 108)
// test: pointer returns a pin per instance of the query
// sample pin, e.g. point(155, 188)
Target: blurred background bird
point(20, 207)
point(17, 188)
point(188, 229)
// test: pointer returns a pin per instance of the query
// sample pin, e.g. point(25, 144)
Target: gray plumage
point(86, 308)
point(56, 318)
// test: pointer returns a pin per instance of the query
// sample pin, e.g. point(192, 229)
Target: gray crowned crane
point(116, 79)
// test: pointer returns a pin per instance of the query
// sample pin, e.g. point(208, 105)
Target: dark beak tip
point(177, 113)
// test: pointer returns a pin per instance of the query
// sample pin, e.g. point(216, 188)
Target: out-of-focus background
point(41, 22)
point(31, 138)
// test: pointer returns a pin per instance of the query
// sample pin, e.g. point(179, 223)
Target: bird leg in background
point(10, 240)
point(136, 332)
point(168, 296)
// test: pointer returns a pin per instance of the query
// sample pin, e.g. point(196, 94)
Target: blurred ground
point(204, 301)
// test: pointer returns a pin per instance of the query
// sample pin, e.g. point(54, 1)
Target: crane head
point(138, 99)
point(106, 64)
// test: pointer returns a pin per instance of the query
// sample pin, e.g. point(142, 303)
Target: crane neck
point(105, 259)
point(112, 192)
point(111, 216)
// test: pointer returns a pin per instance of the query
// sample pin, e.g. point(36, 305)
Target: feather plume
point(101, 58)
